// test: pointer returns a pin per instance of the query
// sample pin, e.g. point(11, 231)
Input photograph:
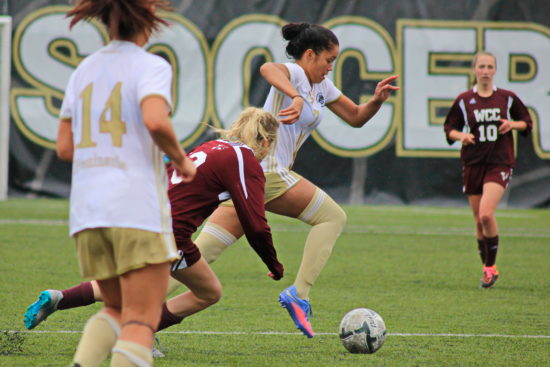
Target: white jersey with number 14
point(118, 177)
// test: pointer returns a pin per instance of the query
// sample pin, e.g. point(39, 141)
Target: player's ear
point(309, 54)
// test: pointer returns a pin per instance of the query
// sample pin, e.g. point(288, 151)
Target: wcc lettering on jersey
point(487, 114)
point(487, 132)
point(481, 117)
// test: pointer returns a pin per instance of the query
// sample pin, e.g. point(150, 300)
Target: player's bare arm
point(156, 118)
point(507, 125)
point(64, 145)
point(358, 115)
point(463, 138)
point(278, 76)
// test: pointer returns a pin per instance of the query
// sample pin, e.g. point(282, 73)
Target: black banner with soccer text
point(216, 48)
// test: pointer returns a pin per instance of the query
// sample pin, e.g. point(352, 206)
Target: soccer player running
point(299, 92)
point(226, 168)
point(113, 120)
point(482, 120)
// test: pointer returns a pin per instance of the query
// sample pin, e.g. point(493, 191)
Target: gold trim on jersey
point(288, 178)
point(299, 142)
point(276, 105)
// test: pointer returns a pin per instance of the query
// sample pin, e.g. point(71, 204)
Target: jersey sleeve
point(454, 120)
point(247, 193)
point(156, 80)
point(297, 74)
point(332, 94)
point(518, 112)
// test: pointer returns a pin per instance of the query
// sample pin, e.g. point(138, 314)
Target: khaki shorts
point(276, 184)
point(110, 252)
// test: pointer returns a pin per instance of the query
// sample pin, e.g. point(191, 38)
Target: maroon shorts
point(188, 251)
point(476, 176)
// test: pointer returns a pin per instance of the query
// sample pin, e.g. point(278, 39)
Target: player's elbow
point(65, 151)
point(154, 125)
point(357, 123)
point(266, 68)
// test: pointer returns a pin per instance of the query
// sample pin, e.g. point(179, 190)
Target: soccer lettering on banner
point(427, 53)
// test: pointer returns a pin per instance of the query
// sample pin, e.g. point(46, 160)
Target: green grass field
point(416, 266)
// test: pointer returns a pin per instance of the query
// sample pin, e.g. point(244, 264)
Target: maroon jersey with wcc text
point(225, 170)
point(481, 116)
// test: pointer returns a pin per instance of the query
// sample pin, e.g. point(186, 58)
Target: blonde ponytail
point(253, 126)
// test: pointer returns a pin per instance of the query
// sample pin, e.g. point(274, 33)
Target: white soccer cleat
point(158, 352)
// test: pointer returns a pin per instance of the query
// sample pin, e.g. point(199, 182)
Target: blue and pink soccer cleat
point(299, 310)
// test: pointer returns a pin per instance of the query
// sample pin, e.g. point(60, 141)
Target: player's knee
point(341, 218)
point(213, 240)
point(327, 211)
point(485, 218)
point(334, 214)
point(212, 296)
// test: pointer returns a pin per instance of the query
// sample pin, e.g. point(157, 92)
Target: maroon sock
point(492, 249)
point(481, 246)
point(77, 296)
point(167, 318)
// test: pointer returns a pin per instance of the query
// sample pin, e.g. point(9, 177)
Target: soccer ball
point(362, 331)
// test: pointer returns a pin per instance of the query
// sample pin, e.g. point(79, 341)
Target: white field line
point(431, 211)
point(198, 332)
point(40, 222)
point(395, 230)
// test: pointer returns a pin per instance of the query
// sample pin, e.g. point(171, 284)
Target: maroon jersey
point(225, 170)
point(481, 116)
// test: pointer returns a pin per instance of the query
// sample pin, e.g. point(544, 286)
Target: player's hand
point(505, 126)
point(467, 139)
point(292, 113)
point(278, 273)
point(272, 276)
point(185, 170)
point(384, 89)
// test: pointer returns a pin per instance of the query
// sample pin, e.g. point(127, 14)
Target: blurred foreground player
point(114, 126)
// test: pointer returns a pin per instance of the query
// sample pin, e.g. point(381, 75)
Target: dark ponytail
point(124, 19)
point(303, 36)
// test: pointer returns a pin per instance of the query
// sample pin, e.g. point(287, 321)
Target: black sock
point(167, 318)
point(482, 248)
point(492, 249)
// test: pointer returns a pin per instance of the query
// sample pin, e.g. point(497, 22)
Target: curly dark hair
point(304, 36)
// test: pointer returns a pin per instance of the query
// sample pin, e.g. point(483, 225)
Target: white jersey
point(118, 175)
point(291, 137)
